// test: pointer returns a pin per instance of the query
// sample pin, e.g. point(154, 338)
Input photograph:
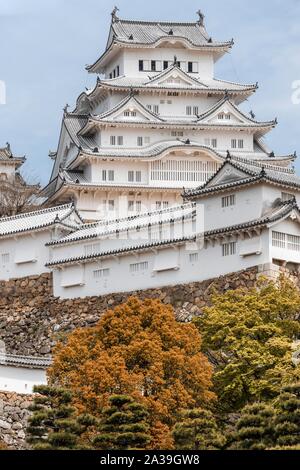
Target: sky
point(45, 46)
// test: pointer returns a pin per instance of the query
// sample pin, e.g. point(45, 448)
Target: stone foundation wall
point(32, 320)
point(13, 419)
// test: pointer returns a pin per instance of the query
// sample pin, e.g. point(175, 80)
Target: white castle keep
point(159, 178)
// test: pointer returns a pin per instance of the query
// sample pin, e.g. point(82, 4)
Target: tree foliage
point(254, 429)
point(54, 424)
point(137, 349)
point(247, 335)
point(287, 418)
point(123, 425)
point(198, 430)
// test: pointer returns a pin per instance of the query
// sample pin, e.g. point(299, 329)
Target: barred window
point(101, 273)
point(287, 196)
point(193, 257)
point(293, 242)
point(228, 201)
point(138, 267)
point(229, 249)
point(5, 258)
point(279, 240)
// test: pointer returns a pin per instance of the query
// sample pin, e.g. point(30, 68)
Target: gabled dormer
point(174, 77)
point(225, 112)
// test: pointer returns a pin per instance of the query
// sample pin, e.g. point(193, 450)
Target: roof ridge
point(38, 212)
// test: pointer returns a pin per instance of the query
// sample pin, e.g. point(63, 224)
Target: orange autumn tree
point(139, 349)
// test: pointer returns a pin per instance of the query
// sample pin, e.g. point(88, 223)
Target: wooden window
point(111, 175)
point(130, 206)
point(165, 64)
point(111, 205)
point(138, 176)
point(228, 201)
point(287, 197)
point(241, 143)
point(153, 65)
point(156, 109)
point(233, 143)
point(190, 67)
point(104, 175)
point(140, 141)
point(189, 110)
point(112, 140)
point(101, 273)
point(147, 140)
point(5, 258)
point(193, 257)
point(141, 65)
point(214, 143)
point(279, 240)
point(196, 110)
point(138, 267)
point(130, 176)
point(118, 70)
point(229, 249)
point(182, 170)
point(138, 206)
point(120, 140)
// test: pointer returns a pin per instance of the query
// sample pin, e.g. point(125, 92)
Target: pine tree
point(254, 429)
point(123, 426)
point(54, 424)
point(198, 430)
point(287, 419)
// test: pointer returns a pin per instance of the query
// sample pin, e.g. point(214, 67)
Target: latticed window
point(287, 196)
point(279, 239)
point(101, 273)
point(5, 258)
point(229, 249)
point(228, 201)
point(183, 170)
point(138, 267)
point(193, 257)
point(293, 242)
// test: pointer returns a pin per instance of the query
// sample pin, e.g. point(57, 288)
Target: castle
point(159, 178)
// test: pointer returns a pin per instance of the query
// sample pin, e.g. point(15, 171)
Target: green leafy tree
point(124, 425)
point(198, 430)
point(54, 424)
point(254, 429)
point(287, 419)
point(247, 334)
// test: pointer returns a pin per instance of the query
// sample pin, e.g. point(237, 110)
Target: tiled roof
point(254, 172)
point(226, 99)
point(207, 85)
point(273, 215)
point(99, 229)
point(6, 155)
point(124, 250)
point(35, 220)
point(148, 32)
point(29, 362)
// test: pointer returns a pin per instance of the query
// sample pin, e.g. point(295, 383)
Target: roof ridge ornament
point(263, 172)
point(228, 156)
point(201, 18)
point(114, 14)
point(66, 109)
